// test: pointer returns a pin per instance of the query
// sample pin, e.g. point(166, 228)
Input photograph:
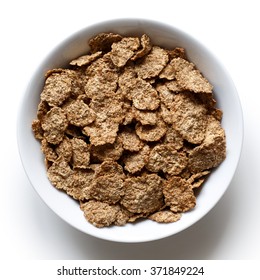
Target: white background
point(30, 29)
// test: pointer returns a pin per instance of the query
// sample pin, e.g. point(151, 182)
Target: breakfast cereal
point(130, 130)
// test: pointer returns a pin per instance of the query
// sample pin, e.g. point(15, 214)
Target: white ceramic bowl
point(163, 35)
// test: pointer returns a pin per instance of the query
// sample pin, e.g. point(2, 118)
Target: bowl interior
point(162, 35)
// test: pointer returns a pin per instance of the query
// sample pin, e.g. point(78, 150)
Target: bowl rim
point(121, 21)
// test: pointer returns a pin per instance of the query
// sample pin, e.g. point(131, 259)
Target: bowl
point(227, 100)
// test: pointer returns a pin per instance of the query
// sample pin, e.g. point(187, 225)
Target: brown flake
point(102, 79)
point(193, 80)
point(187, 77)
point(123, 50)
point(173, 137)
point(122, 216)
point(151, 133)
point(145, 117)
point(85, 59)
point(174, 86)
point(80, 153)
point(54, 124)
point(167, 73)
point(165, 216)
point(212, 150)
point(59, 174)
point(144, 96)
point(177, 52)
point(79, 114)
point(178, 195)
point(110, 167)
point(109, 114)
point(196, 180)
point(64, 149)
point(153, 63)
point(107, 151)
point(108, 109)
point(166, 158)
point(128, 113)
point(103, 42)
point(126, 82)
point(57, 88)
point(80, 184)
point(142, 93)
point(178, 64)
point(130, 140)
point(146, 47)
point(166, 114)
point(107, 188)
point(190, 117)
point(98, 213)
point(37, 129)
point(48, 151)
point(165, 94)
point(101, 133)
point(42, 109)
point(143, 194)
point(135, 161)
point(217, 114)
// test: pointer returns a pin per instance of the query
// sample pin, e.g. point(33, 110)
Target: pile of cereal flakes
point(130, 130)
